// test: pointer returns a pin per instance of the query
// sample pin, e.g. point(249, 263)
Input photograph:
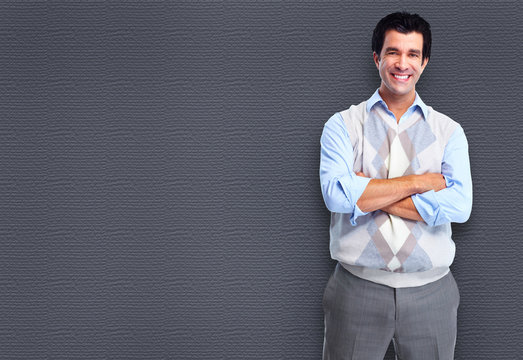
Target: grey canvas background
point(159, 188)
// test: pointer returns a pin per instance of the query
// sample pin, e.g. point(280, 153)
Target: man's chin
point(399, 92)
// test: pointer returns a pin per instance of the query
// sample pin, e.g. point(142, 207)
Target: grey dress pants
point(362, 317)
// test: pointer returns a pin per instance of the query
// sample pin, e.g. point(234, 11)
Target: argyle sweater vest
point(385, 248)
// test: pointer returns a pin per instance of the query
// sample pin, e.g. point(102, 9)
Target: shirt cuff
point(448, 181)
point(356, 214)
point(427, 206)
point(353, 186)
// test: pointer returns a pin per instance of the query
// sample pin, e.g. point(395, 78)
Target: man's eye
point(414, 55)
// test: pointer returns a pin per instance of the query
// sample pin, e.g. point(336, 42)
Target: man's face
point(399, 63)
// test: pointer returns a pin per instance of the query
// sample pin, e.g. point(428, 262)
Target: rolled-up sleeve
point(340, 186)
point(454, 203)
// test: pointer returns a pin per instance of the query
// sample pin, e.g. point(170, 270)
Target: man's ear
point(425, 62)
point(376, 59)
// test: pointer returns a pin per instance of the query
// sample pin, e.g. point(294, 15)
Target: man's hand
point(431, 181)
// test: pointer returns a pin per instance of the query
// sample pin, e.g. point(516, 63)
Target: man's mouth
point(401, 77)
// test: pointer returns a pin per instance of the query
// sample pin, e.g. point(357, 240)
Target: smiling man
point(394, 173)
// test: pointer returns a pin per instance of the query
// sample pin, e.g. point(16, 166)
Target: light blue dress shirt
point(342, 188)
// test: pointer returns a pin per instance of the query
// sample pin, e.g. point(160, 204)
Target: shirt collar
point(375, 98)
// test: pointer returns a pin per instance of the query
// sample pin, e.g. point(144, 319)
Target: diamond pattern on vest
point(395, 239)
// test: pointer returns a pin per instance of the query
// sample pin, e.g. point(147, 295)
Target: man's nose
point(402, 63)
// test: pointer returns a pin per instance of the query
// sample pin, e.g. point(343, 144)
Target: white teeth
point(401, 77)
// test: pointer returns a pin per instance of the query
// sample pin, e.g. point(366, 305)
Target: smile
point(401, 77)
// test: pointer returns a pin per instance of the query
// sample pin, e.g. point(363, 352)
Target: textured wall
point(159, 189)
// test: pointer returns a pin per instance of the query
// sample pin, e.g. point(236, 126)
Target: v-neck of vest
point(393, 123)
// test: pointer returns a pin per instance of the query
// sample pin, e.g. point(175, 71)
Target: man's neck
point(398, 104)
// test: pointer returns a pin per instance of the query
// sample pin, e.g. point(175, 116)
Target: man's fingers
point(433, 181)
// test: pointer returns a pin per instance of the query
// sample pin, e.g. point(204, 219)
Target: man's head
point(401, 49)
point(404, 23)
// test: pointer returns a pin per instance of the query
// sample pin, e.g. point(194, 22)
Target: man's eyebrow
point(415, 51)
point(391, 49)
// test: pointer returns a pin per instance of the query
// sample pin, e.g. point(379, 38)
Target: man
point(394, 173)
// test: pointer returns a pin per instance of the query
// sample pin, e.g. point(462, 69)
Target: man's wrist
point(417, 185)
point(414, 185)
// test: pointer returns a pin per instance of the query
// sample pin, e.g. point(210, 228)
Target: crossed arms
point(431, 197)
point(394, 195)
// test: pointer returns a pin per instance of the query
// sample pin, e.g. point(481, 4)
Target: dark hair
point(404, 23)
